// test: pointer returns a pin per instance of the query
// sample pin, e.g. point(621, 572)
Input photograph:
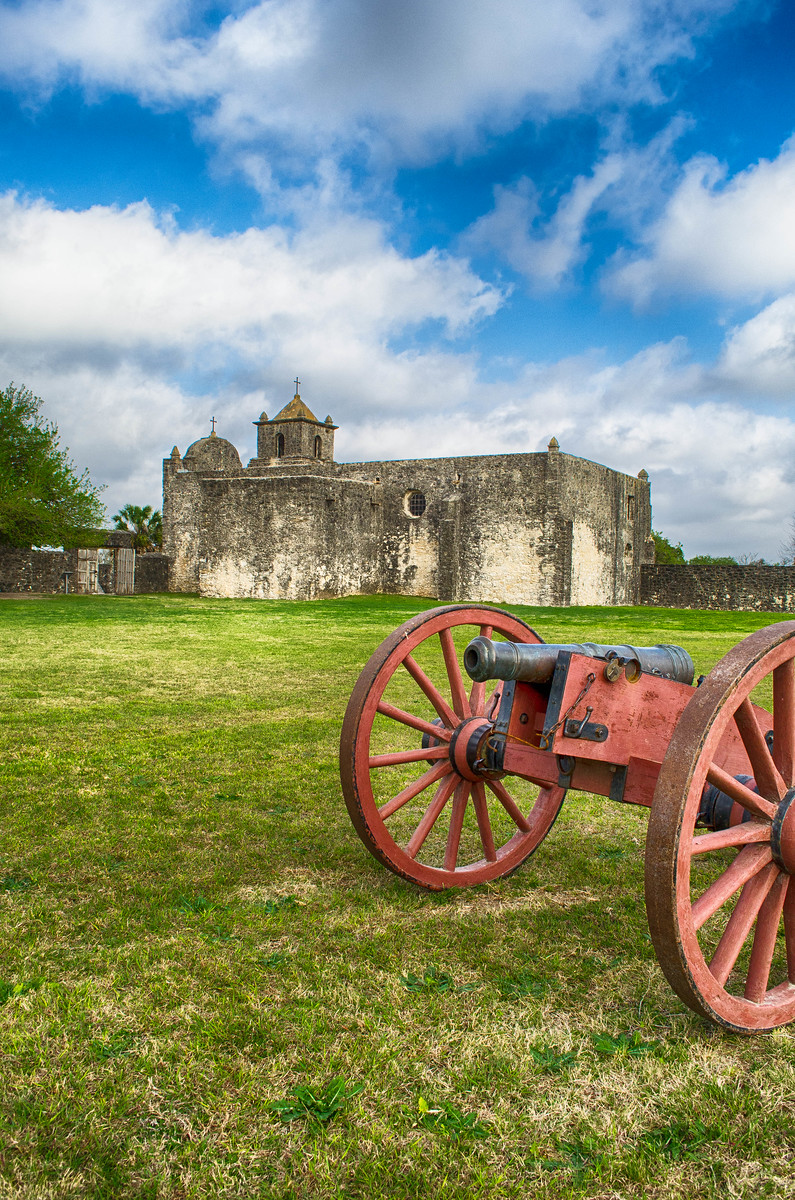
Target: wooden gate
point(87, 566)
point(125, 571)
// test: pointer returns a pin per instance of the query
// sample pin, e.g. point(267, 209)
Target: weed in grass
point(552, 1060)
point(678, 1140)
point(115, 1046)
point(612, 853)
point(281, 904)
point(276, 959)
point(200, 904)
point(432, 980)
point(227, 796)
point(450, 1120)
point(219, 933)
point(10, 991)
point(583, 1157)
point(521, 983)
point(630, 1044)
point(15, 883)
point(277, 810)
point(316, 1105)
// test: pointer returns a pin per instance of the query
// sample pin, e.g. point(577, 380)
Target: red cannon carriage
point(465, 731)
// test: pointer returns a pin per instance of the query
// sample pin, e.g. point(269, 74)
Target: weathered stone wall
point(753, 588)
point(517, 528)
point(285, 536)
point(182, 513)
point(36, 570)
point(152, 573)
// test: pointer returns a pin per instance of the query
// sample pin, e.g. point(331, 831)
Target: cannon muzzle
point(536, 662)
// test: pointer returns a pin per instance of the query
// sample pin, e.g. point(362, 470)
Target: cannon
point(465, 731)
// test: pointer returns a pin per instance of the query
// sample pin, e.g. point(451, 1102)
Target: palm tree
point(144, 524)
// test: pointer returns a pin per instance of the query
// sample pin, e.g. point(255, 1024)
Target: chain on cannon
point(465, 731)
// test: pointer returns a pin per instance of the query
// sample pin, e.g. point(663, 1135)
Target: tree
point(145, 525)
point(43, 502)
point(710, 560)
point(665, 551)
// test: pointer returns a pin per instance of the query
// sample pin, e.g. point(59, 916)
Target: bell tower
point(295, 435)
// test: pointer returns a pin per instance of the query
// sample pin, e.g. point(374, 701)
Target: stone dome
point(212, 453)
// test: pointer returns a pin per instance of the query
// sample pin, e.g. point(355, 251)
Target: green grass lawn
point(209, 988)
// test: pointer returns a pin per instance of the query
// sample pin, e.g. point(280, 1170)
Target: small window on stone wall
point(280, 445)
point(318, 447)
point(631, 507)
point(415, 503)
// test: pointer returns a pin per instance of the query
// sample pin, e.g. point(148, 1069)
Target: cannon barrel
point(535, 662)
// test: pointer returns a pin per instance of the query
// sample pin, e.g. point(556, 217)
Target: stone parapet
point(753, 588)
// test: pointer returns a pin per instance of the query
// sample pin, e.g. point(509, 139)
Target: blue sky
point(466, 226)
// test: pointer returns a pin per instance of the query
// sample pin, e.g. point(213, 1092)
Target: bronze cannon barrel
point(535, 662)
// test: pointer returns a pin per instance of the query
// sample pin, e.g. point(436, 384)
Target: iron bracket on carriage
point(465, 731)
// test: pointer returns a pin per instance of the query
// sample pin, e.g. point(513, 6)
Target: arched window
point(318, 447)
point(280, 445)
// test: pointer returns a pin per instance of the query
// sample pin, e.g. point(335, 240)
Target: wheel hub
point(466, 748)
point(782, 835)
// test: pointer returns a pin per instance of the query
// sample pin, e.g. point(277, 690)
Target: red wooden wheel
point(400, 758)
point(721, 903)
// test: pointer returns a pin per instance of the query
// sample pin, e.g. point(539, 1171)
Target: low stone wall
point(43, 570)
point(151, 572)
point(36, 570)
point(755, 588)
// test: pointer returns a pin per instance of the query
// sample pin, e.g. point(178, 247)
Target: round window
point(415, 504)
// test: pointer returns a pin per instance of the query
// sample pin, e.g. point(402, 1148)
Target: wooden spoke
point(784, 720)
point(419, 785)
point(407, 756)
point(735, 835)
point(397, 714)
point(748, 863)
point(437, 700)
point(460, 701)
point(764, 770)
point(484, 825)
point(739, 924)
point(432, 813)
point(456, 825)
point(749, 800)
point(477, 694)
point(508, 803)
point(767, 924)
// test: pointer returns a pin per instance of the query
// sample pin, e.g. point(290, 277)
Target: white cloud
point(311, 72)
point(545, 255)
point(625, 182)
point(128, 278)
point(732, 238)
point(760, 355)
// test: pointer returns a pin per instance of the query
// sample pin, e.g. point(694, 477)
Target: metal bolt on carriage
point(465, 730)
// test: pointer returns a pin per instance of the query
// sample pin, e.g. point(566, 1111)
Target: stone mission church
point(543, 528)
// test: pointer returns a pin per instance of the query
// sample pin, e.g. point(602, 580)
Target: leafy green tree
point(665, 551)
point(711, 560)
point(43, 501)
point(144, 524)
